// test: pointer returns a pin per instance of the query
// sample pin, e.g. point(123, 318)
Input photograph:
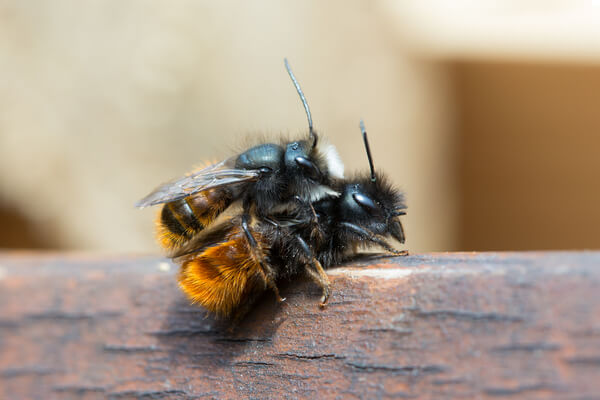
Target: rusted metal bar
point(478, 325)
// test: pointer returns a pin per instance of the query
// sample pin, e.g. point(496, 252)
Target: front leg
point(366, 235)
point(316, 233)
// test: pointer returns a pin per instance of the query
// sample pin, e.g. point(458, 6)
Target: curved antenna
point(364, 133)
point(312, 135)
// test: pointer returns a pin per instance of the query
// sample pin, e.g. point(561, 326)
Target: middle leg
point(315, 270)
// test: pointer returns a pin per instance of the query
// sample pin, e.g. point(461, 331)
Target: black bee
point(229, 269)
point(263, 178)
point(331, 230)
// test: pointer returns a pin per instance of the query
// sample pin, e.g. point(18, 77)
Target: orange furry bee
point(264, 180)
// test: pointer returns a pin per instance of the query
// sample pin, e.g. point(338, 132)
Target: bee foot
point(324, 300)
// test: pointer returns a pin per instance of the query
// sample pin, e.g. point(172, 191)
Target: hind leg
point(257, 253)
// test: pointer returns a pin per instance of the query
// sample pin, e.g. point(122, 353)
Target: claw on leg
point(275, 290)
point(318, 274)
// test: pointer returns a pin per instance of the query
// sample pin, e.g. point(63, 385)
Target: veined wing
point(213, 176)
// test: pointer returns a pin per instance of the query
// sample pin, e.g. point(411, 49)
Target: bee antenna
point(364, 133)
point(311, 133)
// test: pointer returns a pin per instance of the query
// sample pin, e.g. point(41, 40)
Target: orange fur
point(220, 276)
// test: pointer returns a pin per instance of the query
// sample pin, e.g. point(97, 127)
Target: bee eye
point(308, 167)
point(366, 203)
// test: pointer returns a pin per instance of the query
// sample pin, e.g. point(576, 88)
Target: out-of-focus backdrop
point(486, 115)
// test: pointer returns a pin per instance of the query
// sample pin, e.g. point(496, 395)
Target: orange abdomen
point(181, 220)
point(221, 277)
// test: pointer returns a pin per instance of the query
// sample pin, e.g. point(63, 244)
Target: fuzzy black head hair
point(372, 205)
point(371, 202)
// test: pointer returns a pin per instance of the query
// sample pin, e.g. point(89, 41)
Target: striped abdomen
point(181, 220)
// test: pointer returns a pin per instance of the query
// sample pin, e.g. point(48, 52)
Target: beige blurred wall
point(529, 149)
point(101, 101)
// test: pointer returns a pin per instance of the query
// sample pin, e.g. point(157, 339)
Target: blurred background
point(486, 114)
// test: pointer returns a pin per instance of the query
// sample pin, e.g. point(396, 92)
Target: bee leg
point(366, 235)
point(319, 276)
point(316, 234)
point(258, 255)
point(314, 219)
point(315, 270)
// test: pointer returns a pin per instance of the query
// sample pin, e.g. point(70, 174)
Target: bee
point(366, 213)
point(263, 179)
point(226, 275)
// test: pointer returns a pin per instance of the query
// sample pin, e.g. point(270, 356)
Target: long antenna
point(302, 98)
point(364, 133)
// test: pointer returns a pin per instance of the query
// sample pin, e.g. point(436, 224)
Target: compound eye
point(367, 204)
point(309, 168)
point(265, 170)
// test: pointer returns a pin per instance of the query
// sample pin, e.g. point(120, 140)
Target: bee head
point(373, 205)
point(371, 202)
point(314, 159)
point(299, 160)
point(310, 162)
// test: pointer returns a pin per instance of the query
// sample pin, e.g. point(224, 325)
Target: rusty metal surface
point(480, 325)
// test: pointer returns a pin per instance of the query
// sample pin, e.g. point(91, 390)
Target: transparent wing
point(213, 176)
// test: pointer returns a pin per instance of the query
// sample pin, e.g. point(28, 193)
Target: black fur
point(323, 226)
point(295, 171)
point(339, 242)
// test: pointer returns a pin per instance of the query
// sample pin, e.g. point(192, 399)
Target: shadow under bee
point(192, 336)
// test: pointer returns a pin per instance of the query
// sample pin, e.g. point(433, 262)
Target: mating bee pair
point(241, 226)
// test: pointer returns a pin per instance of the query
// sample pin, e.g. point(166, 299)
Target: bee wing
point(213, 176)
